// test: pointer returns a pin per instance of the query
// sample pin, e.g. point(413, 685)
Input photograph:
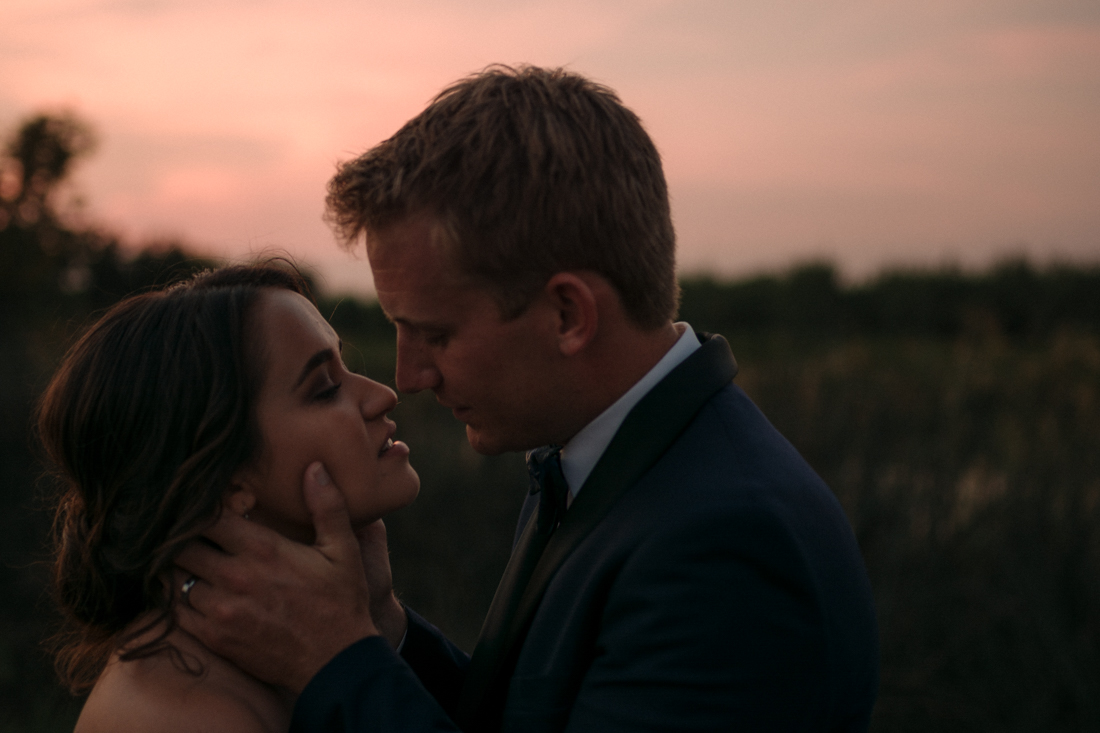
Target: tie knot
point(544, 467)
point(541, 462)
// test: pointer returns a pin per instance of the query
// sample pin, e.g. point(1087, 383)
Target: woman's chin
point(391, 499)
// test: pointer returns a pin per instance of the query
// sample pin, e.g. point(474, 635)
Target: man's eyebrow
point(419, 325)
point(321, 357)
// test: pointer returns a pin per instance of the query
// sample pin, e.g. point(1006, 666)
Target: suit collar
point(580, 455)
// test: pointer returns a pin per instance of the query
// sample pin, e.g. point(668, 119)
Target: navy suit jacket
point(704, 579)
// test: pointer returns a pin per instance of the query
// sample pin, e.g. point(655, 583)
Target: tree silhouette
point(40, 156)
point(53, 276)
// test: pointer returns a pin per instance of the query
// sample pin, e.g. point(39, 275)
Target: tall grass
point(965, 451)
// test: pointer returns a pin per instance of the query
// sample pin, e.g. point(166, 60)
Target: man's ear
point(577, 311)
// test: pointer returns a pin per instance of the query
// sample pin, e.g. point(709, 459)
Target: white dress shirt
point(579, 455)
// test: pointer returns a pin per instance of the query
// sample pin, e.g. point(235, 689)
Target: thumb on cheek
point(326, 505)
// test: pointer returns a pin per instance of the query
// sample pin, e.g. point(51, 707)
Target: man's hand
point(278, 609)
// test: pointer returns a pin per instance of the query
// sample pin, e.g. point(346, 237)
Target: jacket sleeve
point(440, 665)
point(369, 687)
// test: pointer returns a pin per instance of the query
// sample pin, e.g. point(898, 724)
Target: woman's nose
point(377, 399)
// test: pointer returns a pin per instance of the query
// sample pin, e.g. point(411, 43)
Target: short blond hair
point(529, 172)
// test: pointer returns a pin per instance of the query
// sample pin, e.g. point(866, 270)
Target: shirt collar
point(579, 456)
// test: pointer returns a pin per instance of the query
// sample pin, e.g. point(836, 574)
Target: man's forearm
point(368, 687)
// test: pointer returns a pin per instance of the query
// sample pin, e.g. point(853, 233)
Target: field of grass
point(967, 457)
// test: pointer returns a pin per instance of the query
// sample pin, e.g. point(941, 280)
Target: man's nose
point(416, 370)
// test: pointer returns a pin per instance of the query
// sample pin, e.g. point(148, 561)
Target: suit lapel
point(646, 433)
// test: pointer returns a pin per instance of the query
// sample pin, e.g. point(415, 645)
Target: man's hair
point(527, 172)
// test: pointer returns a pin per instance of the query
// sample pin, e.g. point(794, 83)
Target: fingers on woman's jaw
point(240, 502)
point(207, 556)
point(195, 559)
point(233, 534)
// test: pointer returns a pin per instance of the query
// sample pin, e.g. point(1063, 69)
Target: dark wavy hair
point(144, 423)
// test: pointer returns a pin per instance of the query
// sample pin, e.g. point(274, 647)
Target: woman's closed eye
point(321, 374)
point(328, 393)
point(325, 382)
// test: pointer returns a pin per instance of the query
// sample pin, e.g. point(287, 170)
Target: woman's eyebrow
point(321, 357)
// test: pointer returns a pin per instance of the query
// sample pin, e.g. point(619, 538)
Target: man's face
point(498, 377)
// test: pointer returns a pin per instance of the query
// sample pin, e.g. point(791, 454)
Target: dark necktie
point(547, 480)
point(490, 668)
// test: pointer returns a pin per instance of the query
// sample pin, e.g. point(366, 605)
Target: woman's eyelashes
point(328, 393)
point(326, 384)
point(326, 378)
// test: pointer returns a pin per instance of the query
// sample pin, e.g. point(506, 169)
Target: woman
point(213, 395)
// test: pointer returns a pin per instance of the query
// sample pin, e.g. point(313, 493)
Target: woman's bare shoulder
point(162, 694)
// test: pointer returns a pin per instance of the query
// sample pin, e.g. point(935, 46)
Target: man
point(677, 566)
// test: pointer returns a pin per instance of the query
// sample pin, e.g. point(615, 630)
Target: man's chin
point(484, 443)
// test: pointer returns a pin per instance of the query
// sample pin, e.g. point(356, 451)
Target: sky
point(872, 134)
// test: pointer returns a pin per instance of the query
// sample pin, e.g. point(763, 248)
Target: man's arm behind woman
point(356, 689)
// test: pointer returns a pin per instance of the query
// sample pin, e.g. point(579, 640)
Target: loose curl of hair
point(146, 421)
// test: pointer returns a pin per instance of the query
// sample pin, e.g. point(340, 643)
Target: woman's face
point(311, 408)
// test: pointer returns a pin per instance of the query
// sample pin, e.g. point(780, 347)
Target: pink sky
point(873, 134)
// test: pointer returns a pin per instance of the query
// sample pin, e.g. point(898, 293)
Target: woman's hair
point(146, 421)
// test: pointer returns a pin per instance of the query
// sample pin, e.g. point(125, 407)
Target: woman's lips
point(393, 449)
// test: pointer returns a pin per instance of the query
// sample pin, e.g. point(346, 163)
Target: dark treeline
point(956, 416)
point(1013, 298)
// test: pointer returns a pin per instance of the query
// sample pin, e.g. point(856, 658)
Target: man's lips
point(459, 411)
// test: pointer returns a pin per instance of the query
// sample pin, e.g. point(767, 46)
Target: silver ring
point(185, 589)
